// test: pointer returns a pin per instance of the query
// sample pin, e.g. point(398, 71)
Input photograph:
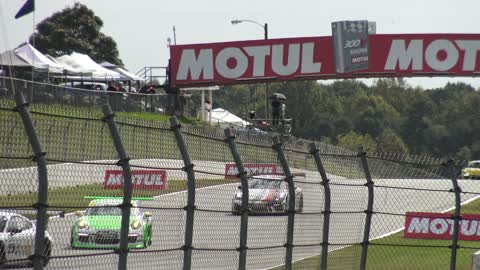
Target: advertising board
point(420, 225)
point(312, 58)
point(231, 170)
point(141, 179)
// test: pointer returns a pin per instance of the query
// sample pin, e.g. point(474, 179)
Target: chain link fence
point(91, 95)
point(85, 189)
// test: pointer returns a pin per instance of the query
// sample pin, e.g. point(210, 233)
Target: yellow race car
point(472, 170)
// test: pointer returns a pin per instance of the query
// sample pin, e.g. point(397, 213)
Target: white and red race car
point(17, 239)
point(267, 194)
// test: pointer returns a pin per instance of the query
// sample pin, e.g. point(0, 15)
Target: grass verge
point(398, 253)
point(70, 199)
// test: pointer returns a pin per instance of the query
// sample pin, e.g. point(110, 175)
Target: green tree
point(372, 114)
point(75, 29)
point(353, 140)
point(391, 142)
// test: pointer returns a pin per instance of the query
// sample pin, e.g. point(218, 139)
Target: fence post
point(369, 212)
point(39, 257)
point(230, 139)
point(456, 217)
point(277, 145)
point(190, 208)
point(326, 212)
point(127, 186)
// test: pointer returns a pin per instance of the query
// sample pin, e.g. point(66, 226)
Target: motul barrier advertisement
point(420, 225)
point(141, 179)
point(306, 58)
point(231, 170)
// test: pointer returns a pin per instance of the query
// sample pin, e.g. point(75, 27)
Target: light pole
point(265, 33)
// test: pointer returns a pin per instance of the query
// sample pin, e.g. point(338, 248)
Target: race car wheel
point(71, 241)
point(48, 252)
point(235, 210)
point(148, 242)
point(300, 205)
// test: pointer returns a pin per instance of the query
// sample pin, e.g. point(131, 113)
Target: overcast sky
point(141, 27)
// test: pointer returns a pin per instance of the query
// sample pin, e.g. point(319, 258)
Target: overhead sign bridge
point(328, 57)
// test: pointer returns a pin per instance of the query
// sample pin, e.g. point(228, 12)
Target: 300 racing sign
point(313, 58)
point(141, 179)
point(440, 226)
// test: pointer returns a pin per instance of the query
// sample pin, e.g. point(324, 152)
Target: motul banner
point(440, 226)
point(401, 55)
point(141, 179)
point(231, 170)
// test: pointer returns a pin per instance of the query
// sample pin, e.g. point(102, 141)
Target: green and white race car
point(99, 226)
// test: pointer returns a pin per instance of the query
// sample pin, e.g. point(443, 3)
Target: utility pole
point(174, 36)
point(265, 28)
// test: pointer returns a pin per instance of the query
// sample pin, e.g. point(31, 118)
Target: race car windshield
point(3, 223)
point(264, 183)
point(473, 165)
point(104, 211)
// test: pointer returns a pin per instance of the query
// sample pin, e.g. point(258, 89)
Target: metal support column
point(190, 208)
point(277, 145)
point(127, 186)
point(38, 258)
point(327, 200)
point(369, 212)
point(230, 139)
point(456, 216)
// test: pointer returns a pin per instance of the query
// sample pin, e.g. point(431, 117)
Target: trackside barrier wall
point(345, 222)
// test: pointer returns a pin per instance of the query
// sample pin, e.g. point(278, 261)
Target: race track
point(217, 229)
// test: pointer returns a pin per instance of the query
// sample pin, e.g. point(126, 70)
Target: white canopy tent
point(10, 58)
point(35, 58)
point(224, 118)
point(84, 64)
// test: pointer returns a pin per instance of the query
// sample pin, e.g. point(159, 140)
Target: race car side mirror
point(79, 213)
point(147, 214)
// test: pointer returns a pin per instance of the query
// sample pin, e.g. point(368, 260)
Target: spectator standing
point(111, 87)
point(276, 104)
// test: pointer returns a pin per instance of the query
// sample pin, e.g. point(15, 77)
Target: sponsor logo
point(360, 59)
point(231, 170)
point(233, 62)
point(439, 54)
point(349, 44)
point(141, 179)
point(323, 57)
point(440, 226)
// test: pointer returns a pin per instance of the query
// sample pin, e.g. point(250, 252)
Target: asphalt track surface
point(216, 232)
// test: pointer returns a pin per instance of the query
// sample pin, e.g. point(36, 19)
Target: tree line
point(388, 116)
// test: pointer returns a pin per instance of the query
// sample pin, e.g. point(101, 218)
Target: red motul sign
point(141, 179)
point(231, 170)
point(305, 58)
point(440, 226)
